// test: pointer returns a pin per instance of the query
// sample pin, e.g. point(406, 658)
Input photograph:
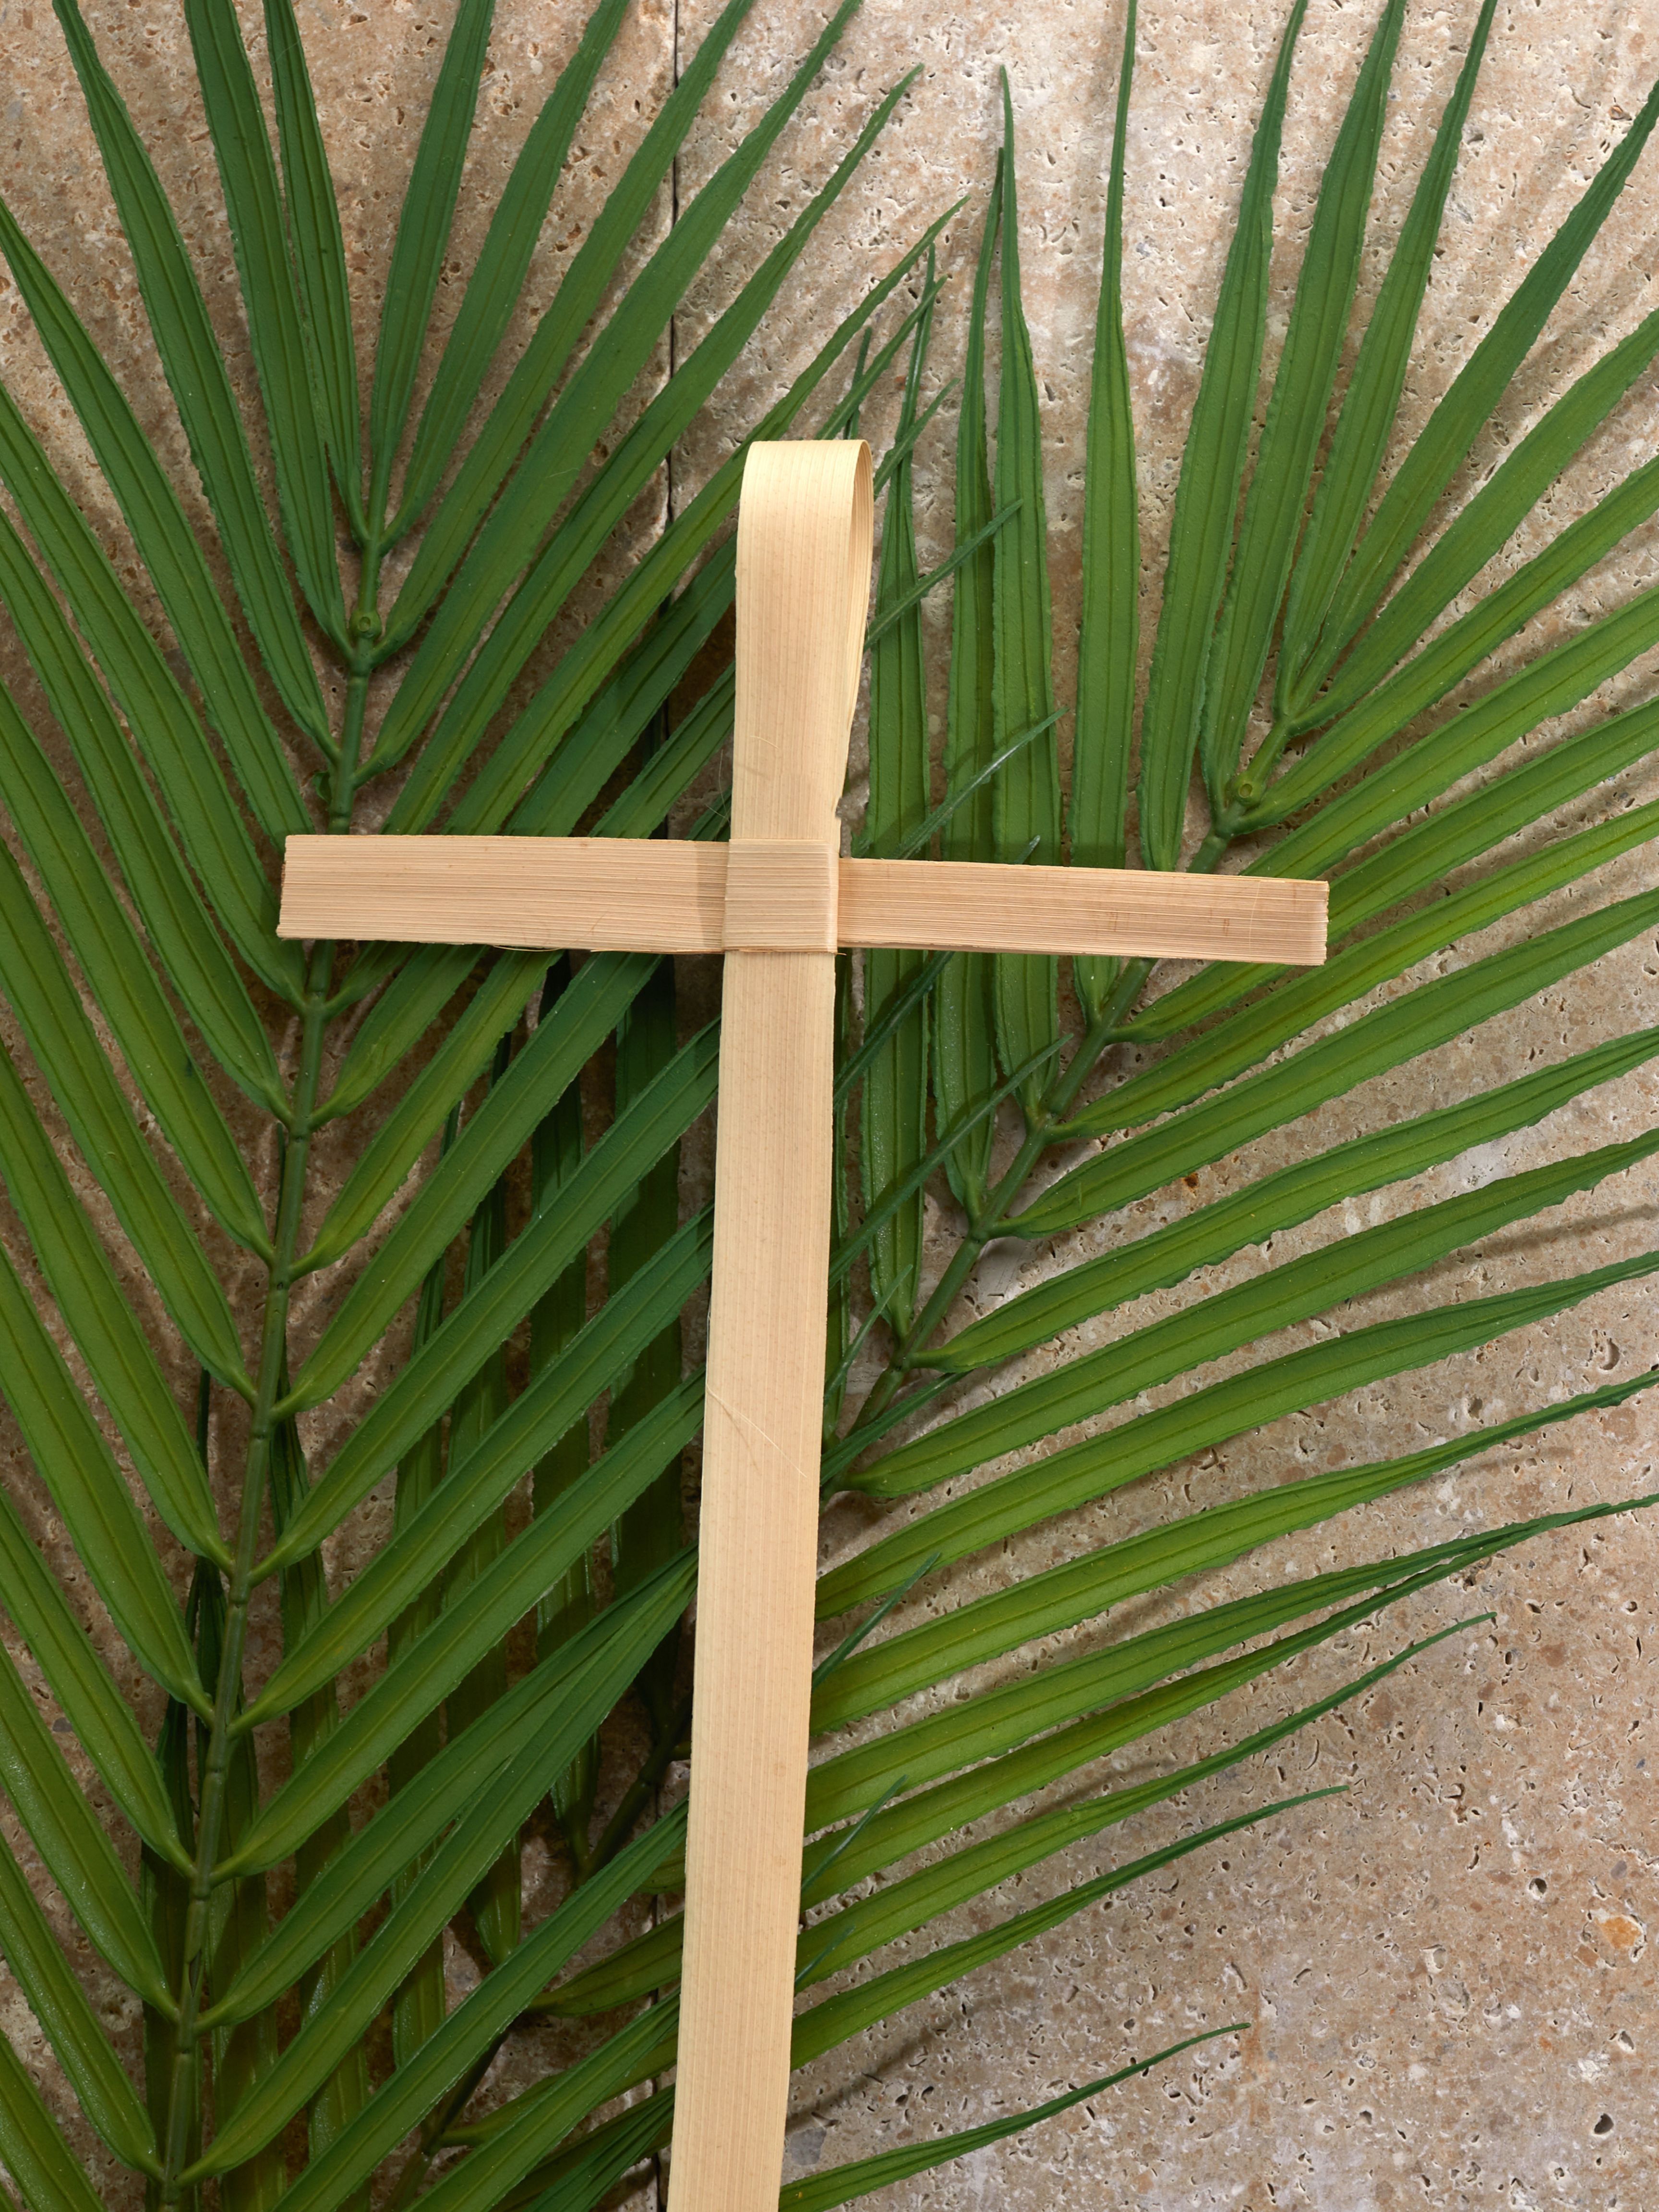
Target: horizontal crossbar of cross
point(659, 895)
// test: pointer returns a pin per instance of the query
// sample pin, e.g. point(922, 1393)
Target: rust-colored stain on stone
point(1621, 1933)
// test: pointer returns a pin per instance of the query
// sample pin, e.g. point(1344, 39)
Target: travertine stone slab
point(1450, 1968)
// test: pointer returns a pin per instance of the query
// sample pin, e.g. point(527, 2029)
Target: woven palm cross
point(778, 902)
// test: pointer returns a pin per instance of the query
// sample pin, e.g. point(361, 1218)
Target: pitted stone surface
point(1446, 1970)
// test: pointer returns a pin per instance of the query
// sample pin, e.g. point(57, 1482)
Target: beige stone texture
point(1447, 1971)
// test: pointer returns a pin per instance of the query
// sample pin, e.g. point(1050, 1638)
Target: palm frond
point(466, 1184)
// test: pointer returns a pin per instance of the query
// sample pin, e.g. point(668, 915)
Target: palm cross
point(778, 902)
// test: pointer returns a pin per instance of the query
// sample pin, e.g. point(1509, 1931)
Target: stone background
point(1447, 1970)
